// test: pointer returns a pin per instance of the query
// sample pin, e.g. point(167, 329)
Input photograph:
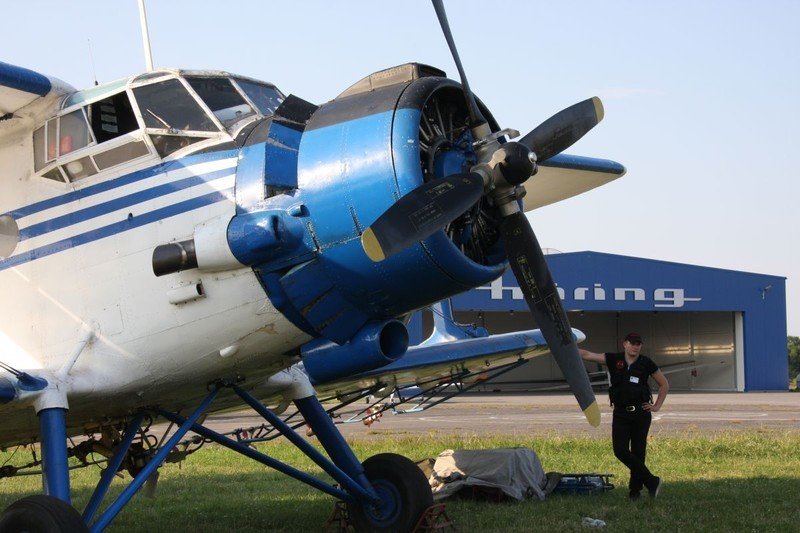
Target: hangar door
point(696, 350)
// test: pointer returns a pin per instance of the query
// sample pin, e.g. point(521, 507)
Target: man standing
point(633, 405)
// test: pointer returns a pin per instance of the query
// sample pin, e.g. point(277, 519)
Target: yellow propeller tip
point(592, 414)
point(371, 246)
point(598, 108)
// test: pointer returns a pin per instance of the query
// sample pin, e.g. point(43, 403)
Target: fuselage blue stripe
point(117, 182)
point(117, 227)
point(118, 203)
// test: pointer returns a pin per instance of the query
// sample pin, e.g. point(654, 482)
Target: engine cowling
point(355, 156)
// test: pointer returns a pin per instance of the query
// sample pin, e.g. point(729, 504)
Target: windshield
point(266, 98)
point(168, 105)
point(222, 98)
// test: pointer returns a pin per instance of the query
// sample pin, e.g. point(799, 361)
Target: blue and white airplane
point(181, 242)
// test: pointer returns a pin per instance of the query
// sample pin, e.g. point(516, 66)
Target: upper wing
point(564, 176)
point(25, 93)
point(19, 87)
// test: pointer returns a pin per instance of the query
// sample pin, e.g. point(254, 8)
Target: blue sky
point(701, 98)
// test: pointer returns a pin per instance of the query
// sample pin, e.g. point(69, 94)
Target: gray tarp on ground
point(516, 471)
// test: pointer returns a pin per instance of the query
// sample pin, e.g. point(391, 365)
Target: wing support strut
point(265, 432)
point(430, 388)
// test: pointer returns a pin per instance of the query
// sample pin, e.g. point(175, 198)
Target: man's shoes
point(633, 496)
point(655, 489)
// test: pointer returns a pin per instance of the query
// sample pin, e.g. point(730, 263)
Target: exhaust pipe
point(375, 345)
point(174, 257)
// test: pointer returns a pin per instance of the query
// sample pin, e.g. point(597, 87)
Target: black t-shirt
point(629, 383)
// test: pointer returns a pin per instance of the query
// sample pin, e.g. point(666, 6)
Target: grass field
point(727, 482)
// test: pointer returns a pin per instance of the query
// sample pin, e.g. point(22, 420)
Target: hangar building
point(709, 329)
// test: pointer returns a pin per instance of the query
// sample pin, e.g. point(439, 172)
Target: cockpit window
point(112, 117)
point(168, 105)
point(222, 98)
point(266, 98)
point(60, 136)
point(73, 132)
point(103, 125)
point(166, 144)
point(39, 152)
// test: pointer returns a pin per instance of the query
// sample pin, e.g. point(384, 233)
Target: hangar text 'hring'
point(709, 329)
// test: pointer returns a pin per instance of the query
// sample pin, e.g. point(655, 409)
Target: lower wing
point(453, 354)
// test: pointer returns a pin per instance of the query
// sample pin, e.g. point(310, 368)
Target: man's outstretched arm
point(586, 355)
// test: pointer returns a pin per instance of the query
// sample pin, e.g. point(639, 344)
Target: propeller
point(475, 115)
point(537, 285)
point(503, 168)
point(564, 129)
point(420, 214)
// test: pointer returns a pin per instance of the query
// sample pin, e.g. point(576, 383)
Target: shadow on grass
point(264, 500)
point(749, 504)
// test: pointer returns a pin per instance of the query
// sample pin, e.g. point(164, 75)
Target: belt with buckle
point(630, 408)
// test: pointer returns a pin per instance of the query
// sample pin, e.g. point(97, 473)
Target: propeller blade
point(564, 129)
point(530, 269)
point(475, 115)
point(421, 213)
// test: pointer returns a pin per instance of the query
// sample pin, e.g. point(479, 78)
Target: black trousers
point(629, 437)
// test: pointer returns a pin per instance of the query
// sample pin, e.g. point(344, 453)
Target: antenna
point(148, 55)
point(91, 61)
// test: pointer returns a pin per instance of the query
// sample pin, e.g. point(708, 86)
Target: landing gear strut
point(386, 493)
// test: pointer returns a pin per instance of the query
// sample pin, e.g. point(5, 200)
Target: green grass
point(743, 482)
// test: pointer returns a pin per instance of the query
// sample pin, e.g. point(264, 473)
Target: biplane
point(182, 242)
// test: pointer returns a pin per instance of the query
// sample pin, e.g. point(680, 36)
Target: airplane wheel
point(404, 491)
point(41, 514)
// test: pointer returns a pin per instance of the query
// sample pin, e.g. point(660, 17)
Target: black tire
point(404, 490)
point(41, 514)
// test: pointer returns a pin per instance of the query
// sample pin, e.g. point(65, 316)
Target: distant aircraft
point(181, 242)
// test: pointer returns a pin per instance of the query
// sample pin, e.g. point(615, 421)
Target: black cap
point(633, 337)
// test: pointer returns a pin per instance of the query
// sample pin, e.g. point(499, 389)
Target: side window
point(168, 105)
point(58, 137)
point(92, 125)
point(73, 132)
point(266, 98)
point(39, 152)
point(80, 168)
point(52, 138)
point(222, 98)
point(112, 117)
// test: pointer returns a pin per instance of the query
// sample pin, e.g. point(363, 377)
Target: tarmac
point(529, 414)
